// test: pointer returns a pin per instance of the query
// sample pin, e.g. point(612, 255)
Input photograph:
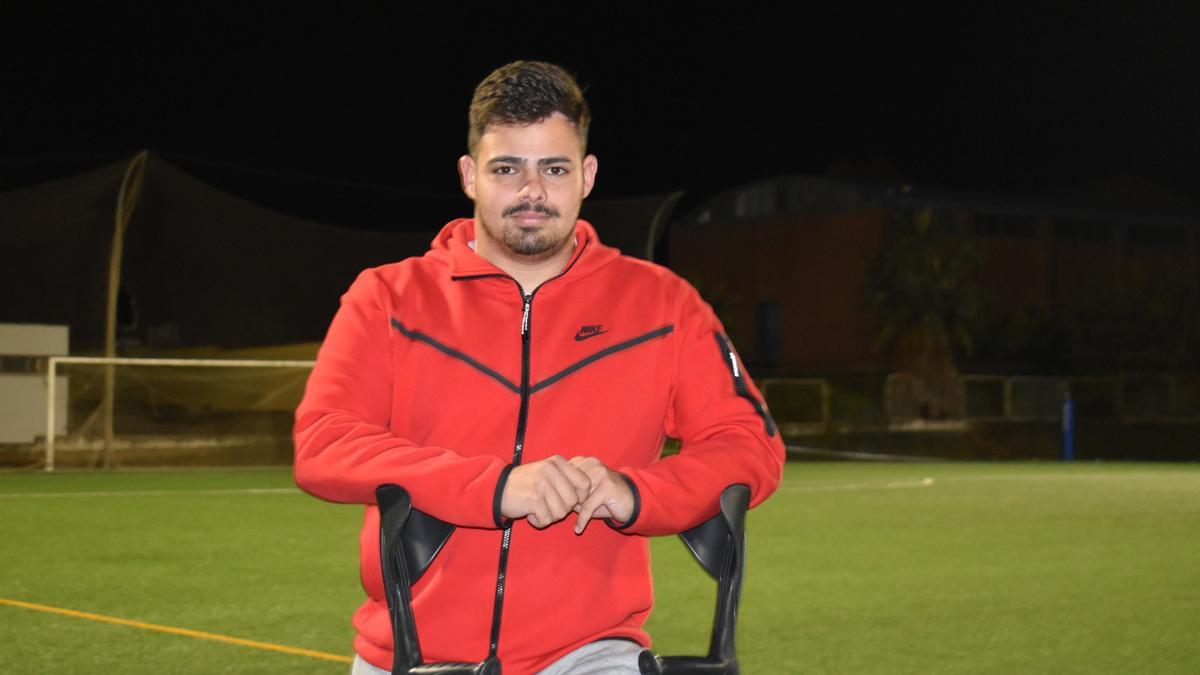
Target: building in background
point(1066, 275)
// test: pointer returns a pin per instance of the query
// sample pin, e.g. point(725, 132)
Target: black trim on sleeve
point(498, 497)
point(450, 351)
point(739, 383)
point(637, 505)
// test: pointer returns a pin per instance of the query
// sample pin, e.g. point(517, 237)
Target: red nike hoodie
point(439, 372)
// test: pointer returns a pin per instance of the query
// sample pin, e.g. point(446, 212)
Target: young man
point(518, 380)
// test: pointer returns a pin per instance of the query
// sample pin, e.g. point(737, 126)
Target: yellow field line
point(178, 631)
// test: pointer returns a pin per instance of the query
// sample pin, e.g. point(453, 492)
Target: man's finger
point(587, 509)
point(541, 517)
point(593, 468)
point(577, 476)
point(565, 485)
point(555, 503)
point(586, 463)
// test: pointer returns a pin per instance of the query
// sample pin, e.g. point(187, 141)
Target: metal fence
point(803, 406)
point(1017, 398)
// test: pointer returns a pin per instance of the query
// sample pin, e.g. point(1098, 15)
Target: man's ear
point(466, 175)
point(590, 164)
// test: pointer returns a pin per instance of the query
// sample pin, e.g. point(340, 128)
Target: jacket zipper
point(522, 420)
point(518, 450)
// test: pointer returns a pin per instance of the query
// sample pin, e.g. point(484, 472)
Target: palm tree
point(921, 282)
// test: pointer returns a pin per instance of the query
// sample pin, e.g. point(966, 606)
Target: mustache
point(543, 209)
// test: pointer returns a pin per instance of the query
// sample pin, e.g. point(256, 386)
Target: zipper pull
point(525, 316)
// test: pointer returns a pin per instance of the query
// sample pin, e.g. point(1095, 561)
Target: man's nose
point(533, 189)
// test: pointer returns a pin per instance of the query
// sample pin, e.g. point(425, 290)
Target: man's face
point(527, 183)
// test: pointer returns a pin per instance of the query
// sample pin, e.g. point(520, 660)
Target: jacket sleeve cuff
point(637, 506)
point(497, 498)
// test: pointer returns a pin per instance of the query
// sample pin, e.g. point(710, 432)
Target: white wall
point(30, 339)
point(23, 407)
point(23, 394)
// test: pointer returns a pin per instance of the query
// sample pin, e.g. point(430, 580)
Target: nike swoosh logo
point(585, 333)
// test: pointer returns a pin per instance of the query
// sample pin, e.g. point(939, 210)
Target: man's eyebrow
point(545, 161)
point(507, 159)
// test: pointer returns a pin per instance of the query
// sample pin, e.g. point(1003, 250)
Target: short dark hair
point(526, 92)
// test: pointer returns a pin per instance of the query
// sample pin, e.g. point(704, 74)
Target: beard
point(529, 242)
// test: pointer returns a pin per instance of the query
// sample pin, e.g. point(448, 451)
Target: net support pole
point(131, 187)
point(826, 416)
point(51, 395)
point(659, 221)
point(1068, 426)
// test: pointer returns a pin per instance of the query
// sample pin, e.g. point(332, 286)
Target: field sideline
point(853, 568)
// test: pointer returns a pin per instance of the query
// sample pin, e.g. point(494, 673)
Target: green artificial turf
point(852, 568)
point(278, 568)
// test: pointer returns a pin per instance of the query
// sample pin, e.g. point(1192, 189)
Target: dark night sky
point(993, 99)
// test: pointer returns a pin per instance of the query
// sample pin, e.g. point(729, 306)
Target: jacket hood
point(453, 246)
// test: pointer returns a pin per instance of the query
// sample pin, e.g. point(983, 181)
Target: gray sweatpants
point(603, 657)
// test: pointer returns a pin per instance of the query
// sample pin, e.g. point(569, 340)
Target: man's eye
point(505, 170)
point(556, 171)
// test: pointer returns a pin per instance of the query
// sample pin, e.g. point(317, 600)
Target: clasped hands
point(546, 491)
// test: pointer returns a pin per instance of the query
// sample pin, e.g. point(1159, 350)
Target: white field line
point(786, 487)
point(851, 487)
point(1046, 477)
point(1065, 476)
point(155, 493)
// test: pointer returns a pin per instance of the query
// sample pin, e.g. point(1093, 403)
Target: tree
point(921, 283)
